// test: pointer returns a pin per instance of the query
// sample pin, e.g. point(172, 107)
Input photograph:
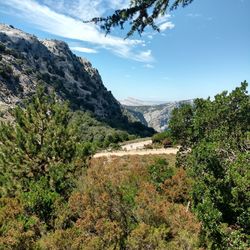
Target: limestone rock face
point(155, 116)
point(26, 61)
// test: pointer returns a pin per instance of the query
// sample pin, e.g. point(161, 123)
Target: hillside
point(84, 168)
point(26, 61)
point(130, 101)
point(155, 116)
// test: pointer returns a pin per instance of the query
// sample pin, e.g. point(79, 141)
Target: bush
point(163, 138)
point(18, 229)
point(12, 52)
point(6, 71)
point(19, 62)
point(159, 172)
point(116, 206)
point(167, 143)
point(45, 77)
point(28, 71)
point(2, 47)
point(214, 136)
point(98, 133)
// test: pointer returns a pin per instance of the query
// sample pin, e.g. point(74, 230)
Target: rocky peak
point(27, 61)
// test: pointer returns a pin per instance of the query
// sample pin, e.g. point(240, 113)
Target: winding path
point(138, 152)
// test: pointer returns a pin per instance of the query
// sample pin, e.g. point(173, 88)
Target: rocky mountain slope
point(27, 61)
point(130, 101)
point(155, 116)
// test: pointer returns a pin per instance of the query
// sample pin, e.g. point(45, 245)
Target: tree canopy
point(40, 156)
point(51, 198)
point(214, 135)
point(139, 15)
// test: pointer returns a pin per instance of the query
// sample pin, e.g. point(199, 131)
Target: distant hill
point(130, 101)
point(155, 116)
point(26, 61)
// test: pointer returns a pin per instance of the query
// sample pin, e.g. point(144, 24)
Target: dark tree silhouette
point(139, 15)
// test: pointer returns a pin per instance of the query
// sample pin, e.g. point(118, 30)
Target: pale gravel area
point(138, 152)
point(136, 145)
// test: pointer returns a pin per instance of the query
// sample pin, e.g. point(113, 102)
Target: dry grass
point(132, 160)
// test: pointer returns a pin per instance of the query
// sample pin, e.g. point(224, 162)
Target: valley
point(80, 170)
point(153, 115)
point(27, 62)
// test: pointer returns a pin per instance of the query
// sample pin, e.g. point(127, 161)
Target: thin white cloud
point(139, 56)
point(163, 23)
point(149, 66)
point(119, 4)
point(199, 16)
point(166, 25)
point(85, 9)
point(162, 19)
point(46, 19)
point(83, 49)
point(145, 55)
point(194, 15)
point(79, 9)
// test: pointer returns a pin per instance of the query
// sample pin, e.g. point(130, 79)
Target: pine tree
point(140, 14)
point(39, 155)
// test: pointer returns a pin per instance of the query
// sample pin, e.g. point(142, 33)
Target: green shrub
point(45, 77)
point(28, 71)
point(40, 156)
point(163, 138)
point(6, 71)
point(214, 135)
point(2, 47)
point(160, 171)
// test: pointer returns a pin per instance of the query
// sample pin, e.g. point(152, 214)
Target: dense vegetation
point(122, 205)
point(164, 139)
point(99, 134)
point(54, 197)
point(40, 159)
point(214, 135)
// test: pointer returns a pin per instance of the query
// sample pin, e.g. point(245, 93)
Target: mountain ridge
point(26, 62)
point(131, 101)
point(156, 116)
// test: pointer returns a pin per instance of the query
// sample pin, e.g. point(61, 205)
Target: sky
point(201, 50)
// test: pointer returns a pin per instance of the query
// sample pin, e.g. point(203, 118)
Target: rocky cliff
point(155, 116)
point(26, 61)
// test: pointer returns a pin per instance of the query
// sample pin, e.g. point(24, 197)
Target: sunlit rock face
point(155, 116)
point(27, 61)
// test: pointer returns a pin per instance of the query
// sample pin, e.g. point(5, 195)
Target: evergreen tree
point(140, 14)
point(216, 134)
point(39, 156)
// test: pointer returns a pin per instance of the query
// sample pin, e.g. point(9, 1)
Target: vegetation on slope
point(214, 135)
point(53, 198)
point(123, 205)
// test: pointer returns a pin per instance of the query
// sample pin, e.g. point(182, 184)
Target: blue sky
point(201, 50)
